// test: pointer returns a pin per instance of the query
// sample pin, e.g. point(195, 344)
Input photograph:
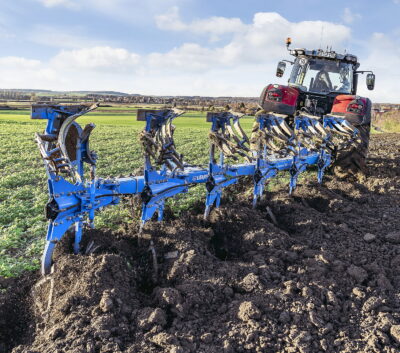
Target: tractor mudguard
point(356, 110)
point(279, 99)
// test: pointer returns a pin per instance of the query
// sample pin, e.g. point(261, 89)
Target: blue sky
point(188, 47)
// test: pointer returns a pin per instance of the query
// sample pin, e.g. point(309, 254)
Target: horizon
point(27, 90)
point(188, 47)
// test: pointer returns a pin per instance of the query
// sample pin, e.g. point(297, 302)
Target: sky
point(189, 47)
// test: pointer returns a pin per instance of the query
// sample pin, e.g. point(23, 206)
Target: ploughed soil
point(315, 272)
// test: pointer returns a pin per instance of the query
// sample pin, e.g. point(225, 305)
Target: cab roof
point(328, 54)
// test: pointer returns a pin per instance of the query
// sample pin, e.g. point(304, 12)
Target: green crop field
point(23, 188)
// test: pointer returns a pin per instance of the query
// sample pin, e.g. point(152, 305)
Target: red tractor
point(324, 82)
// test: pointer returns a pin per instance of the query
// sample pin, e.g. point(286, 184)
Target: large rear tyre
point(352, 161)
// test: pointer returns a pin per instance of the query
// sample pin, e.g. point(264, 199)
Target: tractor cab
point(322, 76)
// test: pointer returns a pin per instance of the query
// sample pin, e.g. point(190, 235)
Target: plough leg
point(78, 236)
point(47, 257)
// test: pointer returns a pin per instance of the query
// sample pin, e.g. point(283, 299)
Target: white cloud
point(218, 25)
point(18, 72)
point(19, 62)
point(170, 20)
point(350, 16)
point(214, 25)
point(384, 59)
point(188, 57)
point(96, 58)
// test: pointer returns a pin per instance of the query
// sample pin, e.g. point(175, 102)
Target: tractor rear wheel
point(352, 161)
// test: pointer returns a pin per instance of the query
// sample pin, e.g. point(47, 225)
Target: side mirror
point(280, 69)
point(370, 81)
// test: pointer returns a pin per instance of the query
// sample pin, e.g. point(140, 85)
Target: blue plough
point(75, 192)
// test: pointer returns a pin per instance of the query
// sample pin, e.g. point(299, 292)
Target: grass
point(388, 122)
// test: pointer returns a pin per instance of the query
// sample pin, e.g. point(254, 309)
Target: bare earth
point(325, 278)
